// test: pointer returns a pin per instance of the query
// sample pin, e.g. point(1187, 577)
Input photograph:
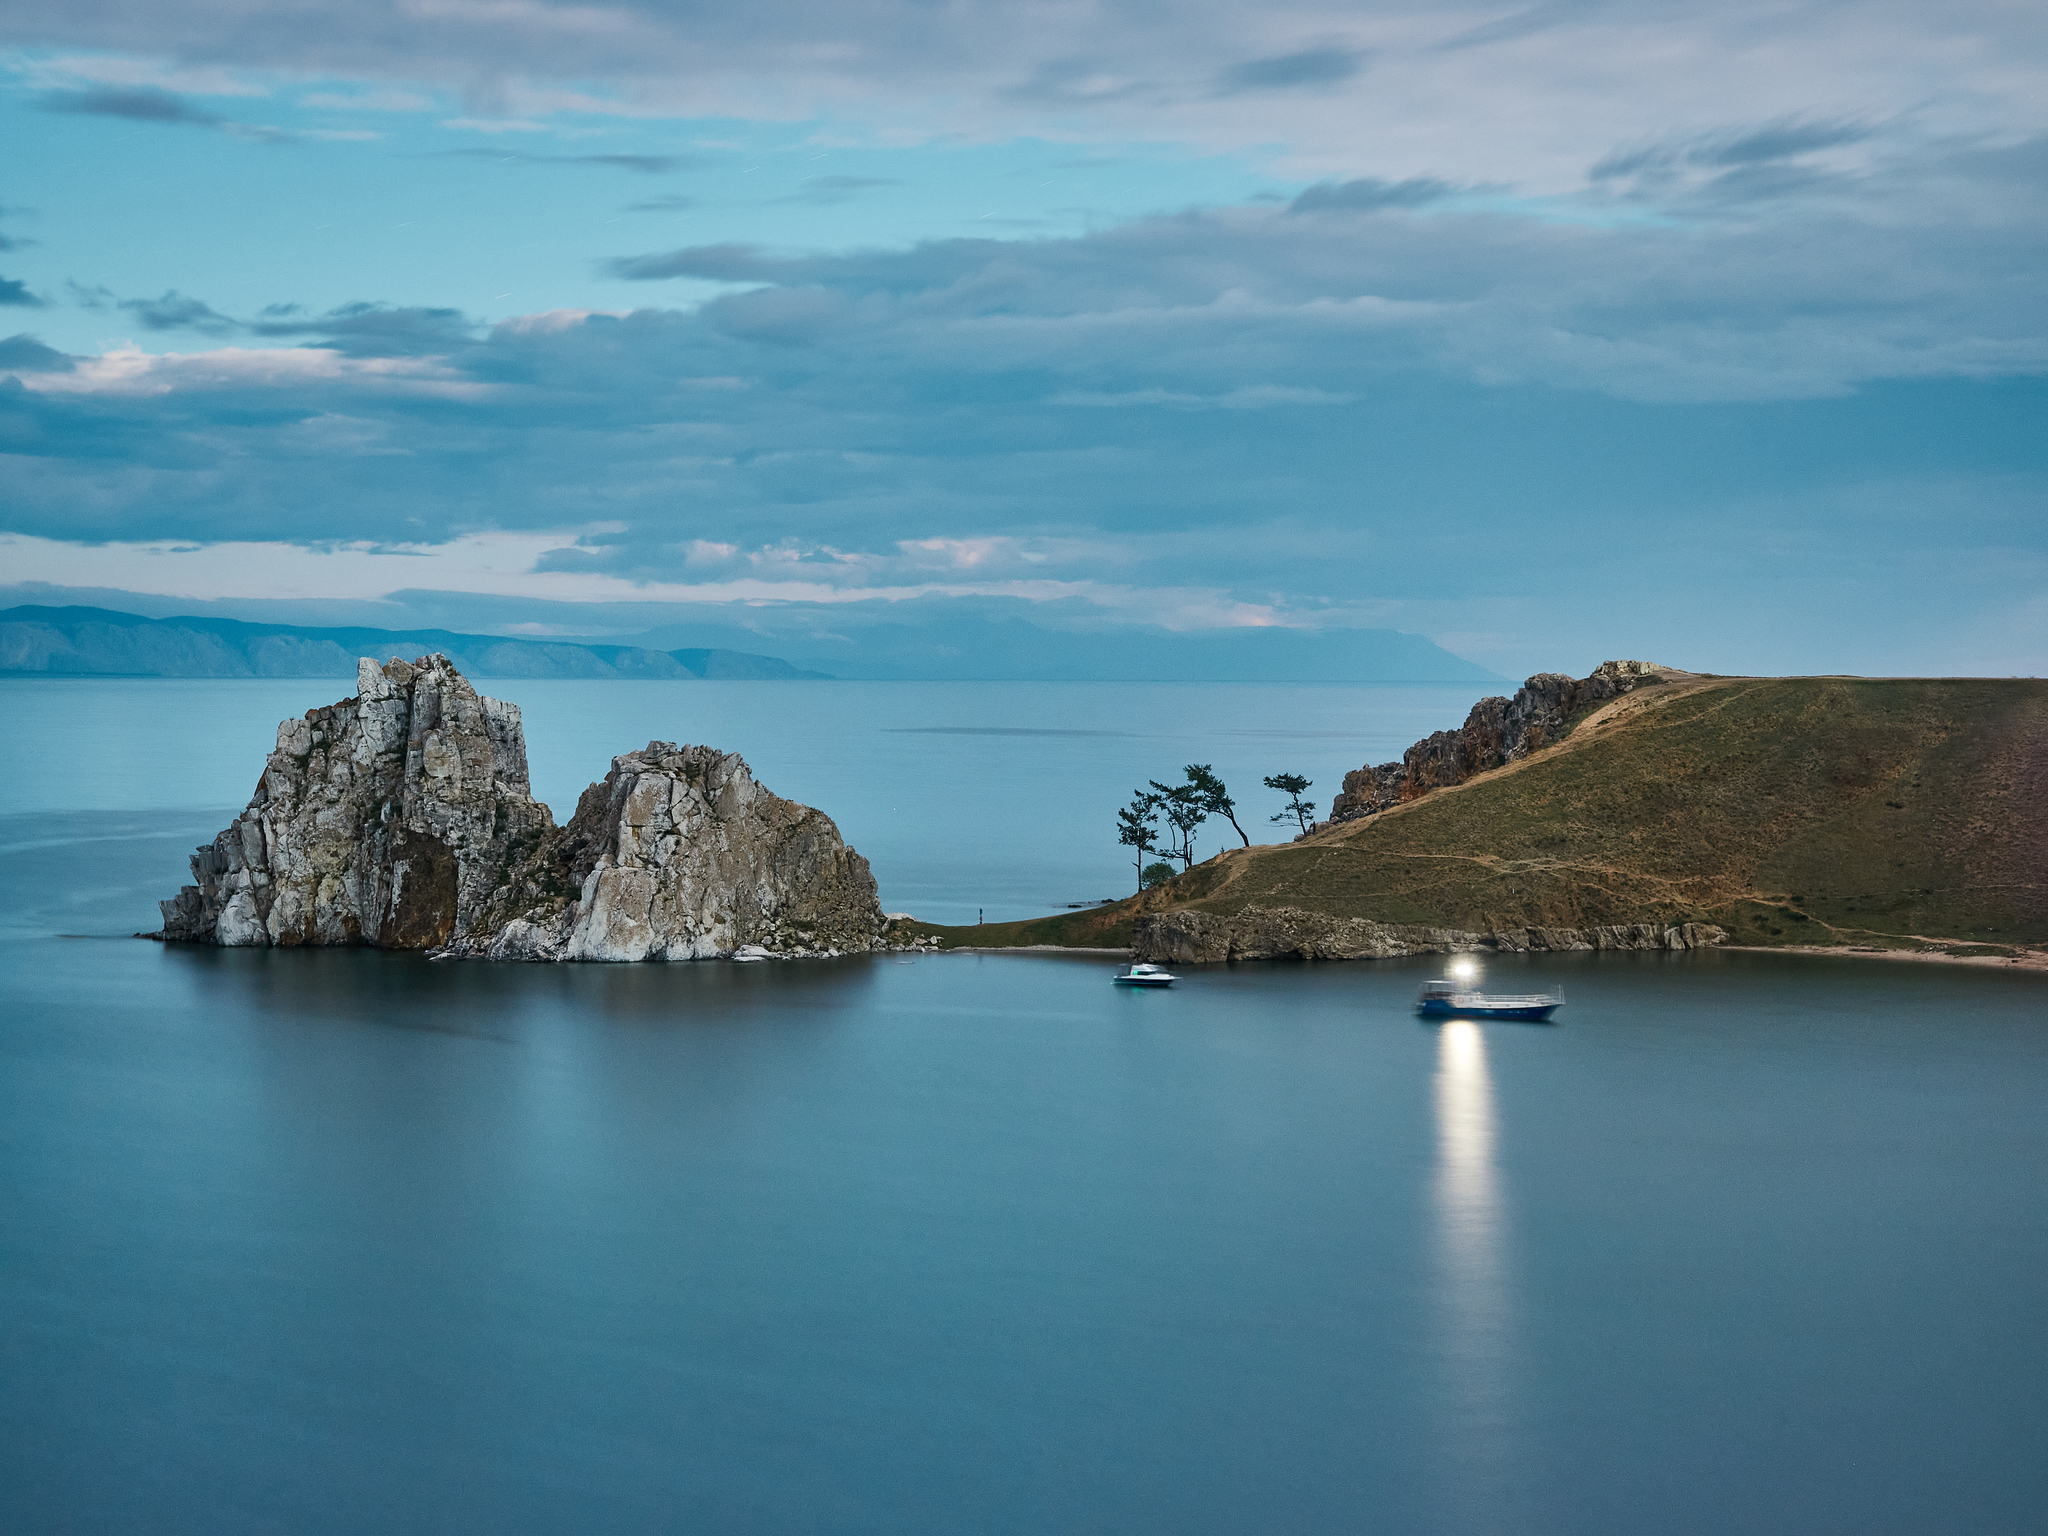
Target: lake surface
point(346, 1242)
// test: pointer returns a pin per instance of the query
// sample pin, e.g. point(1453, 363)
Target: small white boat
point(1144, 976)
point(751, 952)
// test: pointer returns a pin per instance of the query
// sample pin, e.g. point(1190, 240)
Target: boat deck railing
point(1491, 1000)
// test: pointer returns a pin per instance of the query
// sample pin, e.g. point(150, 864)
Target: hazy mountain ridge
point(87, 642)
point(993, 643)
point(81, 640)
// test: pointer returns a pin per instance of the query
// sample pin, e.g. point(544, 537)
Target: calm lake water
point(348, 1242)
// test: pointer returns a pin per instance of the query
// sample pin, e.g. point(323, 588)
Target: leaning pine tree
point(1291, 785)
point(1215, 799)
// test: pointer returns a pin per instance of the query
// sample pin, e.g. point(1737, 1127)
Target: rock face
point(402, 819)
point(1289, 933)
point(680, 855)
point(1497, 732)
point(390, 819)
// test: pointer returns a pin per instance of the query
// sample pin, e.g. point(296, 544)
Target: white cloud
point(102, 69)
point(372, 100)
point(545, 321)
point(502, 564)
point(1470, 91)
point(494, 125)
point(128, 370)
point(1250, 397)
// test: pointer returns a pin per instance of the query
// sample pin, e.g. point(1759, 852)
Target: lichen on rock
point(403, 819)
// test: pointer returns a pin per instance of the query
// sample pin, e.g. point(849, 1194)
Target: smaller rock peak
point(1631, 669)
point(398, 677)
point(371, 683)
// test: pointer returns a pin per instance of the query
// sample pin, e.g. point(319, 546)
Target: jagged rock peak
point(1497, 731)
point(403, 819)
point(387, 819)
point(680, 855)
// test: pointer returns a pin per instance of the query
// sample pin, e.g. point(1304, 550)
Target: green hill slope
point(1787, 811)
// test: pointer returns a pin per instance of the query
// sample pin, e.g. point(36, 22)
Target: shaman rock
point(390, 819)
point(402, 818)
point(1498, 731)
point(680, 855)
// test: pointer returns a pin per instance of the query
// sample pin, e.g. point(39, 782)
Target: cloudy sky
point(1715, 335)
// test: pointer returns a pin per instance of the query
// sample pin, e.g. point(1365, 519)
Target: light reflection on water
point(1473, 1325)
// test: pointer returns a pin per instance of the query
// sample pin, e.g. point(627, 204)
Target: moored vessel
point(1142, 975)
point(1458, 997)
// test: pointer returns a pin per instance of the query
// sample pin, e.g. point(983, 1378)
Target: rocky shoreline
point(403, 819)
point(1189, 937)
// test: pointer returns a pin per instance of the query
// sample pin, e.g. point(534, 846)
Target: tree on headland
point(1154, 874)
point(1185, 808)
point(1291, 785)
point(1216, 799)
point(1138, 831)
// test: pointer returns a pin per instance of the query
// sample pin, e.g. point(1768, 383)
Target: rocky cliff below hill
point(402, 819)
point(1281, 932)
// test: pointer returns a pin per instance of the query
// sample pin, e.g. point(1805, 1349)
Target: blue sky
point(1553, 333)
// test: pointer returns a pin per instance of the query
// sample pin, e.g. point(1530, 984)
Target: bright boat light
point(1464, 970)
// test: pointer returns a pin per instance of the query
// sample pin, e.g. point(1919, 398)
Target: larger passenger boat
point(1458, 1000)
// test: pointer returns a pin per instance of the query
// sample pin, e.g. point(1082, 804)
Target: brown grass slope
point(1787, 810)
point(1794, 810)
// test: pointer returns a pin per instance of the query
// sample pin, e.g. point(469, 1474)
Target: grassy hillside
point(1789, 811)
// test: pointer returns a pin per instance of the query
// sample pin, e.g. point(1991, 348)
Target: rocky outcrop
point(402, 819)
point(1290, 933)
point(1498, 731)
point(680, 855)
point(391, 819)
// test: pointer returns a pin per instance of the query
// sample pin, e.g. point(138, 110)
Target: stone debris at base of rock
point(403, 819)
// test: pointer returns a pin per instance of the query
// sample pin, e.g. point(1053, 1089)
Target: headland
point(1645, 808)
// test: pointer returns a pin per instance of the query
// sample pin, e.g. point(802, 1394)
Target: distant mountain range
point(930, 643)
point(105, 642)
point(99, 642)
